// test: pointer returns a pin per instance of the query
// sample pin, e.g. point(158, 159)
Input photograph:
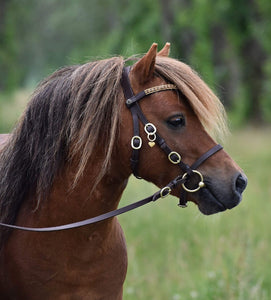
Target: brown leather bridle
point(132, 103)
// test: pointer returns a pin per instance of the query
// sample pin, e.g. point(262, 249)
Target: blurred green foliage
point(226, 41)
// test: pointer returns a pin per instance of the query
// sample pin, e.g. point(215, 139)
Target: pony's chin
point(209, 204)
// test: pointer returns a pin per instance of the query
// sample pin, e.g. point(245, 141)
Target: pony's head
point(187, 119)
point(78, 117)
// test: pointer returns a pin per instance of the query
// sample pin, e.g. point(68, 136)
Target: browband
point(159, 88)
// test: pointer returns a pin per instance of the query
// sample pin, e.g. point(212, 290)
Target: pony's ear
point(165, 51)
point(144, 68)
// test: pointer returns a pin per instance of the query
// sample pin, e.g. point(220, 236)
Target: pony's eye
point(176, 121)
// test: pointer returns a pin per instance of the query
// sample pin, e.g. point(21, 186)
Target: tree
point(226, 41)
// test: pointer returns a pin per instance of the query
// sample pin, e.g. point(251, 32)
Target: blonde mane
point(201, 98)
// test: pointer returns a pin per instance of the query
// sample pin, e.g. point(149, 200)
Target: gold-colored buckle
point(150, 135)
point(201, 184)
point(173, 161)
point(152, 126)
point(165, 191)
point(136, 137)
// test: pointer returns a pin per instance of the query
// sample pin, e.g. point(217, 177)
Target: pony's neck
point(66, 204)
point(80, 257)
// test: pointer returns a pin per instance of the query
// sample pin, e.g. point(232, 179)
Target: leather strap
point(125, 83)
point(84, 222)
point(119, 211)
point(206, 155)
point(128, 93)
point(135, 153)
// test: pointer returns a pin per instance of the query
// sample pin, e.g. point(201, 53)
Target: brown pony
point(68, 159)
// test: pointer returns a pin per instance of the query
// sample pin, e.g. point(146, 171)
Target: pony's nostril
point(240, 183)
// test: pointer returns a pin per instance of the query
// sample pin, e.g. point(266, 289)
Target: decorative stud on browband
point(159, 88)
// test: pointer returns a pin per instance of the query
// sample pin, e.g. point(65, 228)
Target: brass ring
point(201, 184)
point(150, 124)
point(166, 189)
point(136, 137)
point(174, 153)
point(151, 137)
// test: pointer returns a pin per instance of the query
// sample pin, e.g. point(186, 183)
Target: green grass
point(180, 254)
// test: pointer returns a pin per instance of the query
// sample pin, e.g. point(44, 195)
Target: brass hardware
point(151, 125)
point(136, 137)
point(173, 161)
point(151, 137)
point(151, 144)
point(165, 191)
point(163, 87)
point(201, 184)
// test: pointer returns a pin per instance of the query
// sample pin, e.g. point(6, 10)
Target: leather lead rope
point(162, 193)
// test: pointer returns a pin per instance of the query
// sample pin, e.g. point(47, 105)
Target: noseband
point(132, 102)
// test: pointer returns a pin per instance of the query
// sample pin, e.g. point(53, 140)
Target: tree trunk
point(167, 19)
point(226, 67)
point(254, 58)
